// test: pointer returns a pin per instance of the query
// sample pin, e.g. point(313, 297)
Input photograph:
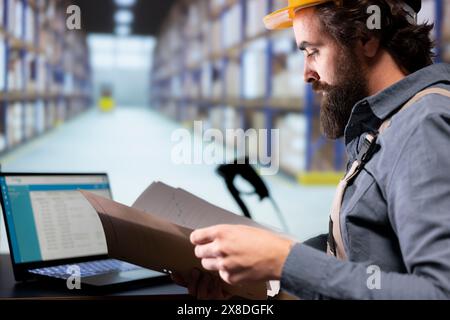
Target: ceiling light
point(123, 30)
point(123, 17)
point(125, 3)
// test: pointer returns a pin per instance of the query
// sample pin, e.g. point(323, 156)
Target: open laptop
point(51, 228)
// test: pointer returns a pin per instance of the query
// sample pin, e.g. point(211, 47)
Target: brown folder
point(154, 232)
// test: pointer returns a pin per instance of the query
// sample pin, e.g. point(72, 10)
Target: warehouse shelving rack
point(268, 105)
point(271, 107)
point(67, 104)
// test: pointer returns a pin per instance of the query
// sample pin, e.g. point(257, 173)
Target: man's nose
point(310, 75)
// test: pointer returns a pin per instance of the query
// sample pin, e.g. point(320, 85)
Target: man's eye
point(313, 53)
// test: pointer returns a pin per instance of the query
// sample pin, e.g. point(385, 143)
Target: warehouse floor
point(133, 145)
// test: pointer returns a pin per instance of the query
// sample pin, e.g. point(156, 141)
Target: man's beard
point(339, 99)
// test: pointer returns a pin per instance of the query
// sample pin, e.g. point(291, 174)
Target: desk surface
point(9, 288)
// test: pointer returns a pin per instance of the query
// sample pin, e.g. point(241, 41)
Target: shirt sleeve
point(319, 242)
point(419, 211)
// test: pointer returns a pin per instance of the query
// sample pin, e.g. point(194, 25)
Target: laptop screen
point(47, 218)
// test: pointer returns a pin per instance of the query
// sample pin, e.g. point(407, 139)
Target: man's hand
point(202, 285)
point(241, 253)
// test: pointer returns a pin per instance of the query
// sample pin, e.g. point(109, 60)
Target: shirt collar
point(369, 113)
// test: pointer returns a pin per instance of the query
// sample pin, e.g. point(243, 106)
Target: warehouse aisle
point(133, 145)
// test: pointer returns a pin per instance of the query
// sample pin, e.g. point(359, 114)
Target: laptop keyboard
point(87, 269)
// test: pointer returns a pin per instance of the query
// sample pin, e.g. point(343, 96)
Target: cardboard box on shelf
point(256, 122)
point(256, 119)
point(30, 118)
point(191, 87)
point(296, 83)
point(280, 85)
point(175, 87)
point(292, 128)
point(284, 43)
point(50, 10)
point(217, 83)
point(14, 124)
point(174, 42)
point(229, 124)
point(40, 116)
point(170, 109)
point(194, 53)
point(216, 6)
point(217, 90)
point(295, 122)
point(216, 37)
point(30, 74)
point(255, 72)
point(231, 119)
point(215, 117)
point(41, 73)
point(10, 26)
point(2, 143)
point(446, 21)
point(224, 117)
point(293, 163)
point(206, 81)
point(1, 17)
point(447, 54)
point(190, 113)
point(232, 23)
point(192, 21)
point(196, 13)
point(29, 25)
point(232, 79)
point(206, 39)
point(288, 87)
point(287, 67)
point(18, 19)
point(60, 112)
point(50, 114)
point(68, 86)
point(14, 73)
point(256, 10)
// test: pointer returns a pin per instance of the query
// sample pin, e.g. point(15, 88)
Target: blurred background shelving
point(40, 85)
point(215, 62)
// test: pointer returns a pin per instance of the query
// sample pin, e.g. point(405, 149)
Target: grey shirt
point(395, 215)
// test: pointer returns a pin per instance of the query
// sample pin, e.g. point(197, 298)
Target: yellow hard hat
point(282, 19)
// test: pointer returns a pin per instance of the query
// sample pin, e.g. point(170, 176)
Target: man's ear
point(370, 47)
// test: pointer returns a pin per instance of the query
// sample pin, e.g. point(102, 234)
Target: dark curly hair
point(409, 44)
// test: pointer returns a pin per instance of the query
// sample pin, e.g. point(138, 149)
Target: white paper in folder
point(155, 231)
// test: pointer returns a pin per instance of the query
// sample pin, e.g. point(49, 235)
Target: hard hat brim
point(283, 18)
point(280, 19)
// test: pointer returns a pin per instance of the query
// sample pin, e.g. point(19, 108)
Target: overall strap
point(417, 97)
point(368, 149)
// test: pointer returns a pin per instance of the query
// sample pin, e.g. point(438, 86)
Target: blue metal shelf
point(439, 25)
